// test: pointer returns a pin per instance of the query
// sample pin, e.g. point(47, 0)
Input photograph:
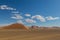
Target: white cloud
point(17, 16)
point(20, 21)
point(30, 20)
point(39, 17)
point(52, 18)
point(5, 7)
point(27, 15)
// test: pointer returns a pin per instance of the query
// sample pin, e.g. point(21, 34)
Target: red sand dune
point(16, 26)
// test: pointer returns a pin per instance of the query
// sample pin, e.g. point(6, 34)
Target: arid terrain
point(29, 35)
point(29, 19)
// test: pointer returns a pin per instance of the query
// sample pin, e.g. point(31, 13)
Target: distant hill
point(16, 26)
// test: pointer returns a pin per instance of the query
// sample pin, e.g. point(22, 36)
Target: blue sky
point(30, 12)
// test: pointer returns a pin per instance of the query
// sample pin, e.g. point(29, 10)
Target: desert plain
point(17, 34)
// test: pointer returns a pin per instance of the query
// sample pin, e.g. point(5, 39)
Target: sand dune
point(18, 32)
point(16, 26)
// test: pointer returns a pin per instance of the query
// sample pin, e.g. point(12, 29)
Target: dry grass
point(33, 35)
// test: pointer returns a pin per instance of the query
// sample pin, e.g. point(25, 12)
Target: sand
point(29, 35)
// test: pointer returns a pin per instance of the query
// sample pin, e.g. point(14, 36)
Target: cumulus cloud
point(20, 21)
point(30, 20)
point(5, 7)
point(27, 15)
point(39, 17)
point(52, 18)
point(17, 16)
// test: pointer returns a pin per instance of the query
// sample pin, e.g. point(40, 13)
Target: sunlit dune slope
point(16, 26)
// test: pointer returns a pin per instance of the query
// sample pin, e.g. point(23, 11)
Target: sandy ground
point(33, 35)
